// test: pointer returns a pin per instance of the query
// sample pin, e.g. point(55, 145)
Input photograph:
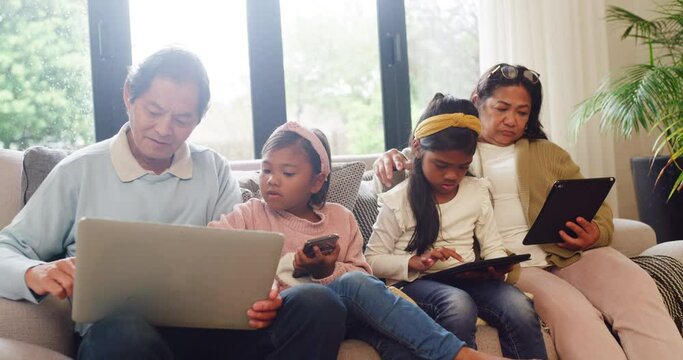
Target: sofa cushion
point(355, 349)
point(47, 324)
point(366, 209)
point(344, 182)
point(667, 272)
point(246, 194)
point(38, 162)
point(248, 180)
point(18, 350)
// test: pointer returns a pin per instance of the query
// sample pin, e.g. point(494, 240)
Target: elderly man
point(149, 172)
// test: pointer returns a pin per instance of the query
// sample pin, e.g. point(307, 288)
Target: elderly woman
point(581, 283)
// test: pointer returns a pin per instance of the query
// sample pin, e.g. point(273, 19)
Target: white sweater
point(467, 215)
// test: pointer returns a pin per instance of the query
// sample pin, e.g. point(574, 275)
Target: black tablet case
point(447, 276)
point(567, 200)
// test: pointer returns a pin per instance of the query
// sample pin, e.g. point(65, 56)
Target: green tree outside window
point(45, 81)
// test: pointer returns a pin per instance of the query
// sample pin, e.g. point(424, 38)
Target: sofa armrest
point(669, 248)
point(47, 324)
point(631, 237)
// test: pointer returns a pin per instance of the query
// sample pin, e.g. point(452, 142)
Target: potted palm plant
point(649, 97)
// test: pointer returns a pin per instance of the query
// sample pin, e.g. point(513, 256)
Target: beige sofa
point(45, 331)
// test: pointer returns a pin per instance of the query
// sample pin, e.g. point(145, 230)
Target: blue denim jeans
point(310, 325)
point(370, 304)
point(500, 304)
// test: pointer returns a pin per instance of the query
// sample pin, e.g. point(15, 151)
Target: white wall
point(621, 54)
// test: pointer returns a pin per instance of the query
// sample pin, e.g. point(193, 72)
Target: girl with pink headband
point(294, 180)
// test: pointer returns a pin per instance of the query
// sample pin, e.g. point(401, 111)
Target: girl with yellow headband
point(429, 223)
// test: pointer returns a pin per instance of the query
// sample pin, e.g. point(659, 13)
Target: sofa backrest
point(37, 164)
point(345, 184)
point(630, 237)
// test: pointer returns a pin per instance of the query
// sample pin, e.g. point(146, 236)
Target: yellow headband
point(434, 124)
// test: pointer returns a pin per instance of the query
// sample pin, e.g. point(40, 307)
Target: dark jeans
point(310, 325)
point(501, 305)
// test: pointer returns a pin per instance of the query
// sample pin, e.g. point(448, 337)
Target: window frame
point(110, 48)
point(110, 58)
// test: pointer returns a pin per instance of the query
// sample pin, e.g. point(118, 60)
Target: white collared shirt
point(128, 168)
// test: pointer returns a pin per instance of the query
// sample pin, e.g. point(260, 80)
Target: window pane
point(45, 87)
point(443, 49)
point(217, 32)
point(332, 76)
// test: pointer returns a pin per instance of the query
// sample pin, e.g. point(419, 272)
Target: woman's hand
point(392, 160)
point(320, 266)
point(587, 234)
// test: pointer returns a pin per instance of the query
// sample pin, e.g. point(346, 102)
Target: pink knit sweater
point(255, 214)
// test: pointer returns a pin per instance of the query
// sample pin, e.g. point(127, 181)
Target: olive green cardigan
point(539, 164)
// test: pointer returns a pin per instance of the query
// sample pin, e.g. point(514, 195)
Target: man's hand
point(320, 266)
point(55, 278)
point(263, 312)
point(587, 234)
point(389, 161)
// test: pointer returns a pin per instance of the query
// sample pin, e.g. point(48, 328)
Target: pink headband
point(294, 126)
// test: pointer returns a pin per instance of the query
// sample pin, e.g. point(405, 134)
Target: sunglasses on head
point(511, 72)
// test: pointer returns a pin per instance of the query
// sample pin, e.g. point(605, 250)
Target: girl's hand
point(444, 253)
point(320, 266)
point(587, 234)
point(420, 263)
point(263, 312)
point(425, 261)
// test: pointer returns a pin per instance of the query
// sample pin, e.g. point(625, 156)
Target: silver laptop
point(185, 276)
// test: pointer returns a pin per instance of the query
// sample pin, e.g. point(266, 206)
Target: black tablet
point(567, 200)
point(448, 276)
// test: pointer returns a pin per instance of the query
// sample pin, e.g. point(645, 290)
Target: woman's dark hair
point(420, 193)
point(282, 139)
point(175, 64)
point(494, 78)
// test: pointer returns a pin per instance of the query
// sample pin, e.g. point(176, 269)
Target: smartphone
point(326, 243)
